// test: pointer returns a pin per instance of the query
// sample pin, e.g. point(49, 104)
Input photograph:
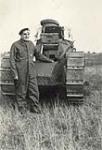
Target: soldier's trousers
point(28, 94)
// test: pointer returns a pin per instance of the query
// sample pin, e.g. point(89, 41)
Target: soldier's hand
point(16, 83)
point(52, 61)
point(16, 78)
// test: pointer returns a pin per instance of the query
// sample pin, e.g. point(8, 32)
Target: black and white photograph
point(51, 75)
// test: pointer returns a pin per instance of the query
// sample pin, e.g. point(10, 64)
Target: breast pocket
point(21, 54)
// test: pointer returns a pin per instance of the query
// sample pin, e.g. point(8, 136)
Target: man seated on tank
point(22, 53)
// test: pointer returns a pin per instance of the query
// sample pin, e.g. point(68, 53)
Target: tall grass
point(61, 127)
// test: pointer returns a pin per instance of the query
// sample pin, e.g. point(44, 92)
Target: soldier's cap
point(22, 30)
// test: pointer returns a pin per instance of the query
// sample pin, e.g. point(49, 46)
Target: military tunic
point(22, 66)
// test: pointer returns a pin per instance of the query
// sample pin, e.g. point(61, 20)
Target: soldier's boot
point(22, 110)
point(35, 108)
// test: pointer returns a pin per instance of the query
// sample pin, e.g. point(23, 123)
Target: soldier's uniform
point(22, 65)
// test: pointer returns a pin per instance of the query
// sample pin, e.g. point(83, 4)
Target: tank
point(64, 76)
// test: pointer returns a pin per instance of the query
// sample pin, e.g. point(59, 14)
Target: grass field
point(61, 127)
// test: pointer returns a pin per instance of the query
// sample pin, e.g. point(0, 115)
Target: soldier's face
point(25, 35)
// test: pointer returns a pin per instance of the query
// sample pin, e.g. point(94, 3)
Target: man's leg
point(33, 94)
point(20, 96)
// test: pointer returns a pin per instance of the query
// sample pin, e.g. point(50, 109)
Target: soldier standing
point(24, 73)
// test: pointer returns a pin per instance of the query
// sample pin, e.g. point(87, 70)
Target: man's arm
point(12, 62)
point(41, 57)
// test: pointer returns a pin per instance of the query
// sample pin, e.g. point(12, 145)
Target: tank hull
point(48, 75)
point(64, 76)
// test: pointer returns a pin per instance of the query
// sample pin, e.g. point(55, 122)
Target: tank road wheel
point(75, 77)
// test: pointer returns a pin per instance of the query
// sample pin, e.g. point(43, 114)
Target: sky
point(83, 17)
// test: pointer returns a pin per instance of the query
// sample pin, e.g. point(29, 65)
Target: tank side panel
point(75, 74)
